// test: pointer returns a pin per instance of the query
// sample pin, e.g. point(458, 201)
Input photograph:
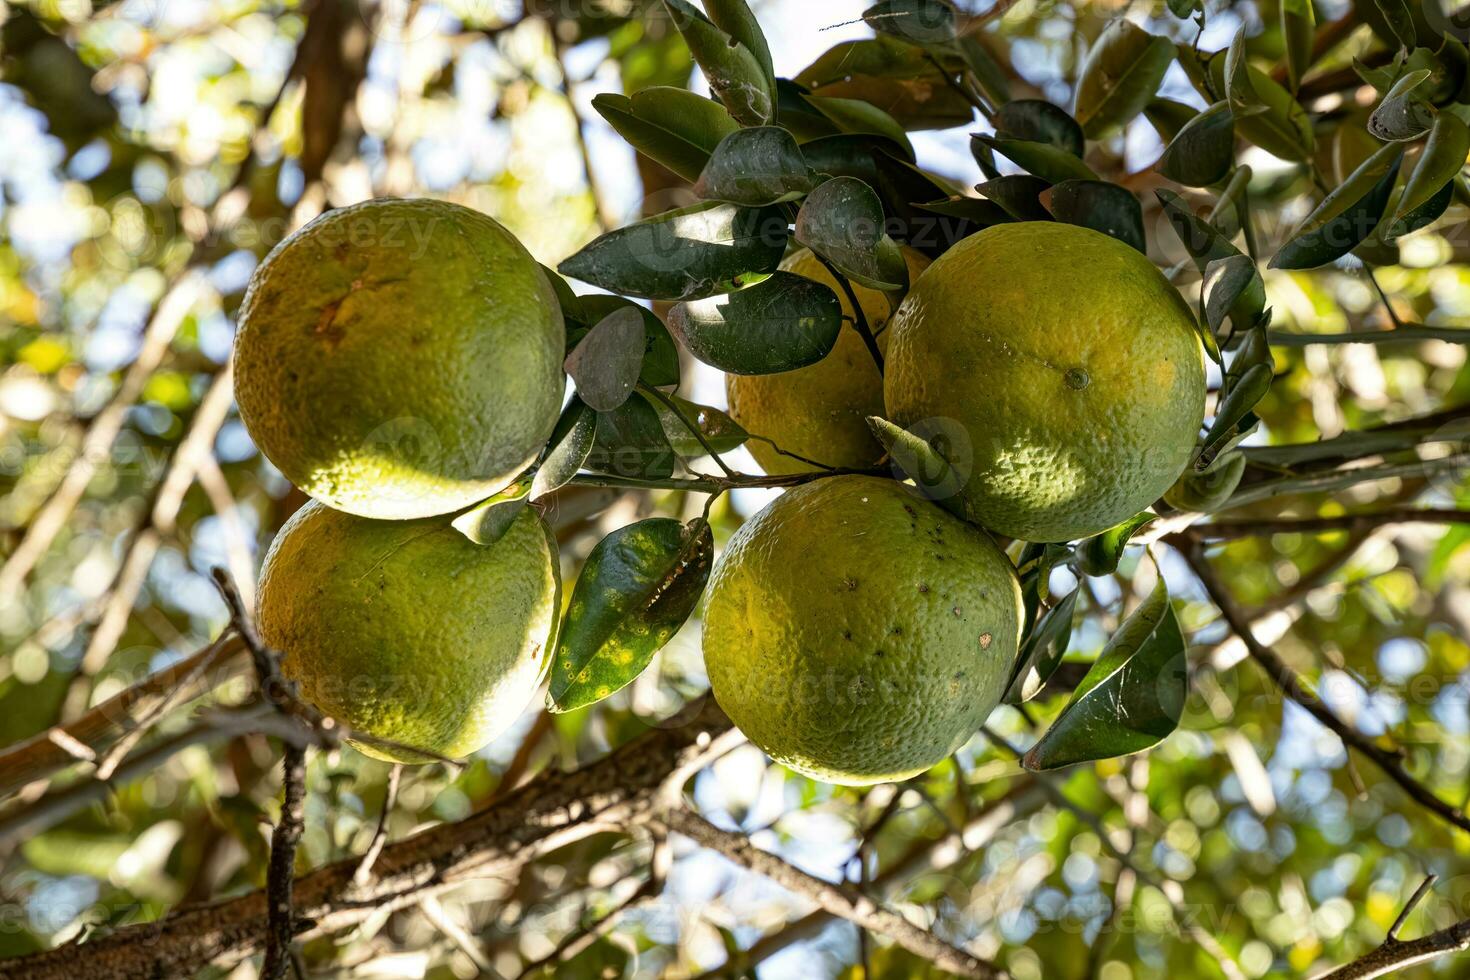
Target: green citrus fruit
point(408, 632)
point(1069, 365)
point(400, 359)
point(858, 633)
point(819, 411)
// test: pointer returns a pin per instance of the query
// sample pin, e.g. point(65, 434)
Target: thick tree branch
point(1292, 685)
point(840, 900)
point(617, 791)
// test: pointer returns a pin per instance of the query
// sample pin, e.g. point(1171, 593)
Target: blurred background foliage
point(154, 150)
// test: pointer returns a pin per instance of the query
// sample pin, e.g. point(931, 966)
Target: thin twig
point(1414, 899)
point(280, 917)
point(1292, 685)
point(364, 872)
point(1233, 530)
point(840, 900)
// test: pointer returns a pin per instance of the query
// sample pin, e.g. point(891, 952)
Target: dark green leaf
point(856, 116)
point(486, 522)
point(571, 309)
point(673, 126)
point(1283, 129)
point(734, 17)
point(636, 589)
point(734, 72)
point(1042, 652)
point(1233, 414)
point(1298, 30)
point(1225, 281)
point(797, 115)
point(1169, 117)
point(718, 429)
point(842, 221)
point(1443, 158)
point(1101, 553)
point(630, 441)
point(1425, 214)
point(1019, 195)
point(983, 66)
point(779, 324)
point(1039, 159)
point(660, 354)
point(605, 365)
point(1206, 490)
point(1132, 697)
point(1396, 15)
point(1034, 569)
point(1205, 244)
point(685, 254)
point(1346, 216)
point(567, 450)
point(1041, 122)
point(1120, 76)
point(1184, 9)
point(1403, 115)
point(755, 167)
point(1204, 149)
point(917, 21)
point(1101, 206)
point(920, 457)
point(981, 213)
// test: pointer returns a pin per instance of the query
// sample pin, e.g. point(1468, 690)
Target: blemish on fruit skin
point(985, 639)
point(1077, 378)
point(923, 587)
point(851, 584)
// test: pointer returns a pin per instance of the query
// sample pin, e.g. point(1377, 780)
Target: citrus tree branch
point(619, 790)
point(1233, 530)
point(843, 901)
point(1295, 688)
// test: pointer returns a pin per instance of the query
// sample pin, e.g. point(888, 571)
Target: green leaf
point(842, 221)
point(1120, 76)
point(486, 522)
point(1298, 30)
point(1042, 652)
point(978, 212)
point(922, 22)
point(733, 71)
point(660, 354)
point(1240, 91)
point(1403, 115)
point(1233, 414)
point(1168, 117)
point(1206, 490)
point(1442, 159)
point(735, 18)
point(1283, 129)
point(756, 167)
point(605, 365)
point(672, 126)
point(1184, 9)
point(1131, 699)
point(1346, 216)
point(1225, 281)
point(1425, 214)
point(1204, 150)
point(1039, 159)
point(923, 461)
point(1041, 122)
point(1101, 206)
point(1019, 195)
point(719, 430)
point(856, 116)
point(630, 441)
point(685, 254)
point(567, 449)
point(1101, 553)
point(1396, 15)
point(571, 308)
point(781, 323)
point(636, 589)
point(899, 78)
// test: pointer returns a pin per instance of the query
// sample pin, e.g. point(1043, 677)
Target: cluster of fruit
point(402, 360)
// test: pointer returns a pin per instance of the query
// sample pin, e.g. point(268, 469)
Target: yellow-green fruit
point(400, 359)
point(820, 411)
point(407, 631)
point(858, 633)
point(1069, 365)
